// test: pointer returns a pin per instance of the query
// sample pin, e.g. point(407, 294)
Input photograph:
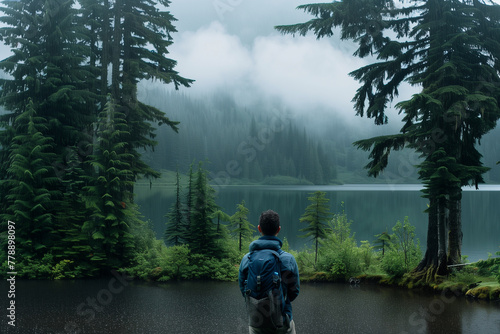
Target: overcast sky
point(232, 45)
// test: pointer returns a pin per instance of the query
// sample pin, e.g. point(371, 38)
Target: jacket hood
point(266, 242)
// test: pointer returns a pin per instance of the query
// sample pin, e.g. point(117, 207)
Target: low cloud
point(212, 57)
point(303, 72)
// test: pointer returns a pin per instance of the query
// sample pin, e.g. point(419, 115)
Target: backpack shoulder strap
point(276, 253)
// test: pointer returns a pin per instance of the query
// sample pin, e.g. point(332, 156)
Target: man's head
point(269, 223)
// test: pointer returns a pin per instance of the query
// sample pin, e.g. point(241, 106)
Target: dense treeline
point(335, 256)
point(73, 128)
point(249, 143)
point(222, 130)
point(203, 240)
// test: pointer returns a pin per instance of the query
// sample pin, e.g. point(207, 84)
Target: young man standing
point(269, 227)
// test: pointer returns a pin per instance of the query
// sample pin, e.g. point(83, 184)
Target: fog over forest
point(217, 128)
point(233, 52)
point(244, 69)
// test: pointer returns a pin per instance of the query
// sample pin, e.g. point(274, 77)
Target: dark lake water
point(373, 209)
point(106, 306)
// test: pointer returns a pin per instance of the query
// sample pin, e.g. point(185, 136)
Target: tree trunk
point(442, 240)
point(432, 264)
point(105, 53)
point(116, 53)
point(241, 232)
point(430, 257)
point(455, 234)
point(316, 255)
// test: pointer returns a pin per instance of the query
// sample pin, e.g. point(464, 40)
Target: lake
point(106, 306)
point(372, 209)
point(111, 305)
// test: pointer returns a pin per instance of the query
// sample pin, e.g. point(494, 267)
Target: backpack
point(264, 296)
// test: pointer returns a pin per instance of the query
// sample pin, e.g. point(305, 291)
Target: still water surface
point(373, 209)
point(95, 306)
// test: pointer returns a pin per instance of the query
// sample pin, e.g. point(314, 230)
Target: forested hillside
point(248, 143)
point(258, 142)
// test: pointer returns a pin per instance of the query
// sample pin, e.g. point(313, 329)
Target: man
point(269, 227)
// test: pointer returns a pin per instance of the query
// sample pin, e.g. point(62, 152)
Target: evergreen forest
point(303, 149)
point(92, 104)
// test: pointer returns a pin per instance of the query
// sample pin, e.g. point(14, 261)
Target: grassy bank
point(466, 282)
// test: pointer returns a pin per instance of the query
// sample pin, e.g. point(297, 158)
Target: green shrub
point(403, 252)
point(467, 275)
point(48, 268)
point(340, 258)
point(305, 262)
point(339, 255)
point(63, 270)
point(367, 255)
point(393, 263)
point(205, 267)
point(175, 262)
point(498, 267)
point(490, 267)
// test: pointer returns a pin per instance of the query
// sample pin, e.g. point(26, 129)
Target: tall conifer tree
point(109, 227)
point(29, 179)
point(141, 36)
point(449, 48)
point(202, 231)
point(316, 216)
point(241, 226)
point(175, 232)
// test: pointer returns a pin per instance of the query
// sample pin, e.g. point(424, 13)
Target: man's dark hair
point(269, 222)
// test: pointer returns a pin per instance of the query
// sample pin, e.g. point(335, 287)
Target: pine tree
point(21, 32)
point(188, 210)
point(202, 232)
point(95, 19)
point(176, 227)
point(139, 25)
point(442, 176)
point(73, 244)
point(47, 67)
point(129, 41)
point(29, 179)
point(114, 214)
point(451, 50)
point(382, 241)
point(241, 226)
point(316, 216)
point(221, 216)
